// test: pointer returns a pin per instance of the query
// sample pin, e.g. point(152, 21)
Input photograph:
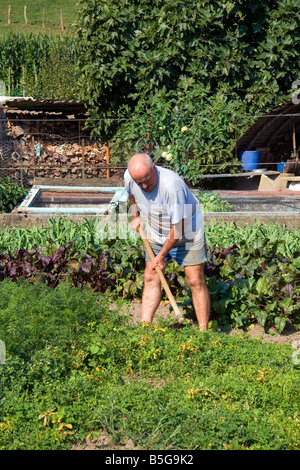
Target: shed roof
point(270, 127)
point(45, 105)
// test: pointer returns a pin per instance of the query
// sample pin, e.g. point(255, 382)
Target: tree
point(151, 57)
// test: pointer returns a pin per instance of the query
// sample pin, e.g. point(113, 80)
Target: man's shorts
point(185, 255)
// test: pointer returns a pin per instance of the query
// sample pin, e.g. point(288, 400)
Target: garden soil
point(288, 336)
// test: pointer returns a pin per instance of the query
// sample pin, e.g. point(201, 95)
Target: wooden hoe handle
point(178, 314)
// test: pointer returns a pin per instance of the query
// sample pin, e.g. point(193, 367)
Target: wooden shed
point(276, 135)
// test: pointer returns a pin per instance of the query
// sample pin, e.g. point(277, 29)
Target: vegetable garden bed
point(252, 272)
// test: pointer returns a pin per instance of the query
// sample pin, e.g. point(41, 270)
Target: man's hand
point(136, 222)
point(158, 261)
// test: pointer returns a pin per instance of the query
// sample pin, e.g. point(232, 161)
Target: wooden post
point(294, 139)
point(43, 17)
point(9, 10)
point(107, 162)
point(82, 151)
point(61, 20)
point(25, 15)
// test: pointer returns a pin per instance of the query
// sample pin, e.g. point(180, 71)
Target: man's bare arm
point(136, 218)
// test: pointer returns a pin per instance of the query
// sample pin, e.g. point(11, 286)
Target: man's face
point(147, 181)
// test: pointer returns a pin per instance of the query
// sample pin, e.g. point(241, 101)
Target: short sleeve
point(176, 207)
point(127, 182)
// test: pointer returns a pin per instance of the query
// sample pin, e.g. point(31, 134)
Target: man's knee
point(195, 277)
point(150, 275)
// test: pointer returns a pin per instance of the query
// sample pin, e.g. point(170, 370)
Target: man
point(175, 230)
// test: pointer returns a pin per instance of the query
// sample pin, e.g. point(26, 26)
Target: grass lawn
point(35, 16)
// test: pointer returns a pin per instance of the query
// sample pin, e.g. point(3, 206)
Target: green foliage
point(43, 64)
point(252, 272)
point(147, 69)
point(76, 366)
point(56, 77)
point(213, 202)
point(255, 284)
point(191, 133)
point(40, 318)
point(92, 233)
point(11, 195)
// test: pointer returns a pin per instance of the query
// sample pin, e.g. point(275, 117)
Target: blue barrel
point(280, 166)
point(250, 160)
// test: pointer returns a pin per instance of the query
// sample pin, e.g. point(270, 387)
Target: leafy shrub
point(11, 195)
point(172, 65)
point(191, 136)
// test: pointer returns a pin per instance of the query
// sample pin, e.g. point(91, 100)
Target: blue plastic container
point(250, 160)
point(280, 166)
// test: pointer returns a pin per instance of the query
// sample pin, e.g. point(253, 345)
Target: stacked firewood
point(48, 129)
point(61, 161)
point(50, 149)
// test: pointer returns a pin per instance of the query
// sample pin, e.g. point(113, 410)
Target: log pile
point(61, 161)
point(48, 129)
point(44, 149)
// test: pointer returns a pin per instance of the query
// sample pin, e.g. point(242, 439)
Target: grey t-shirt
point(167, 204)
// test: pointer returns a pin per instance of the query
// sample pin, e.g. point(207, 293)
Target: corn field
point(22, 58)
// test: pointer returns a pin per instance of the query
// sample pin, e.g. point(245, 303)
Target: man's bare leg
point(196, 280)
point(151, 294)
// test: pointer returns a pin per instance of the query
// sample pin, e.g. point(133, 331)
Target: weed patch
point(75, 367)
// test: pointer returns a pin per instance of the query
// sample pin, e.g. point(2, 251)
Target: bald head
point(139, 163)
point(143, 171)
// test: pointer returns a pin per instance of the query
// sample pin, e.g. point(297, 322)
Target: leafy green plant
point(255, 284)
point(76, 365)
point(55, 77)
point(43, 65)
point(256, 279)
point(213, 202)
point(44, 321)
point(11, 195)
point(91, 233)
point(206, 69)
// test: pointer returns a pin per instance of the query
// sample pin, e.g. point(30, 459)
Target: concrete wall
point(291, 221)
